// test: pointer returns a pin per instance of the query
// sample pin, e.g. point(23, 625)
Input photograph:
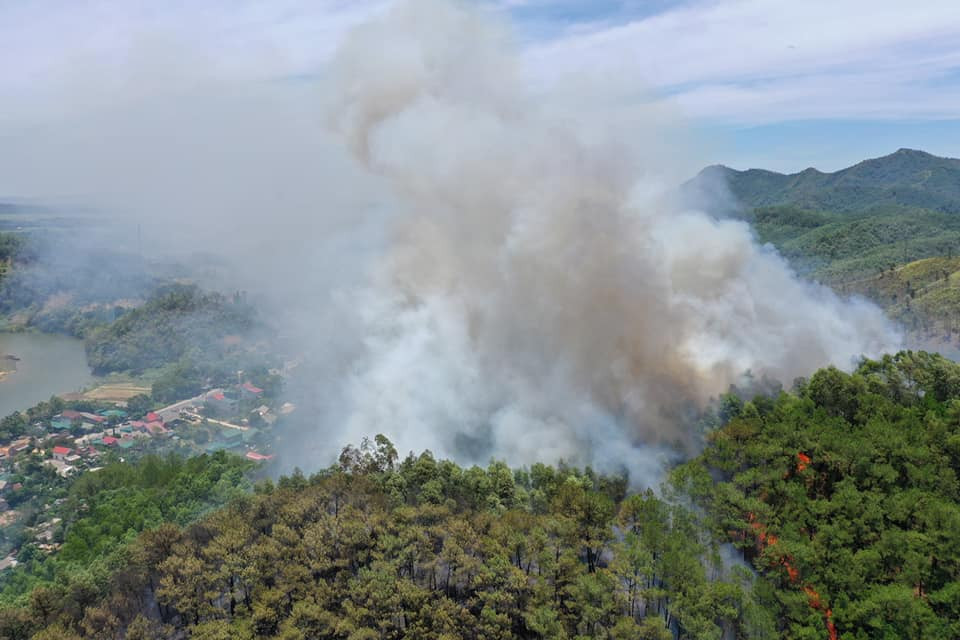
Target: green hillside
point(842, 496)
point(923, 295)
point(907, 178)
point(837, 248)
point(886, 228)
point(847, 491)
point(850, 224)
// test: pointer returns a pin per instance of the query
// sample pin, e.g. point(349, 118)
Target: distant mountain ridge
point(906, 178)
point(886, 228)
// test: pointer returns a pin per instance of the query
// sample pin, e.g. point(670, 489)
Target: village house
point(249, 390)
point(60, 453)
point(83, 451)
point(219, 404)
point(85, 440)
point(61, 424)
point(153, 428)
point(266, 416)
point(17, 446)
point(216, 445)
point(63, 469)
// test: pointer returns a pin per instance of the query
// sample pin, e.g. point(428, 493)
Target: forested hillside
point(100, 515)
point(54, 283)
point(924, 296)
point(845, 497)
point(421, 549)
point(176, 321)
point(875, 229)
point(842, 495)
point(839, 249)
point(906, 178)
point(132, 322)
point(853, 223)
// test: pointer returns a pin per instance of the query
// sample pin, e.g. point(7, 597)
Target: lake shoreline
point(47, 365)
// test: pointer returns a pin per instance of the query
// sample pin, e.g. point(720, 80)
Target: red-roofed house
point(155, 428)
point(70, 414)
point(109, 441)
point(220, 404)
point(92, 417)
point(257, 457)
point(249, 389)
point(152, 417)
point(59, 453)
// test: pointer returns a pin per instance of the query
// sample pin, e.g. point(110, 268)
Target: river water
point(48, 365)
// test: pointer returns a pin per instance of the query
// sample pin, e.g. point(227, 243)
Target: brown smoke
point(542, 291)
point(498, 270)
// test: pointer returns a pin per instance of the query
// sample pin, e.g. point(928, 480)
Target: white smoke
point(543, 296)
point(499, 270)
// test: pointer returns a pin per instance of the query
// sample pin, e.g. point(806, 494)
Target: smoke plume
point(478, 264)
point(543, 295)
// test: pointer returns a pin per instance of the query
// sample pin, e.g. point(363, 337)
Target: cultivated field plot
point(115, 392)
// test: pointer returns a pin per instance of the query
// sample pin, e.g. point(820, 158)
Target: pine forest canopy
point(843, 496)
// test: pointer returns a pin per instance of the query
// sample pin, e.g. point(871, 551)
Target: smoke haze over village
point(473, 264)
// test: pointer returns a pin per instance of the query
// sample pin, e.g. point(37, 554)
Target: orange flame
point(765, 540)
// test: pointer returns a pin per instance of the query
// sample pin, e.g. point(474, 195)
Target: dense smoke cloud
point(544, 296)
point(475, 266)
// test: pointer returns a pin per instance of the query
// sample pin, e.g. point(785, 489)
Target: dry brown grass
point(115, 392)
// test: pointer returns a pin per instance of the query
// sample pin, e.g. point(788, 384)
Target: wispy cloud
point(763, 60)
point(734, 63)
point(61, 55)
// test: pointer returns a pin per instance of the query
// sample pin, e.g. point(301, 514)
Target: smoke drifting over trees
point(492, 270)
point(543, 296)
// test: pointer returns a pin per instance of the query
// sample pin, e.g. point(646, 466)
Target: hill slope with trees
point(869, 229)
point(906, 178)
point(845, 497)
point(424, 549)
point(852, 223)
point(842, 495)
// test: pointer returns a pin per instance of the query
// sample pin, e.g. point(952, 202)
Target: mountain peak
point(904, 178)
point(904, 151)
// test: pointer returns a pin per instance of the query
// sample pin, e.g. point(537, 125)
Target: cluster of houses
point(81, 437)
point(15, 447)
point(74, 441)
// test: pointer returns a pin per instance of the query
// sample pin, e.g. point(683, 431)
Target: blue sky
point(771, 83)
